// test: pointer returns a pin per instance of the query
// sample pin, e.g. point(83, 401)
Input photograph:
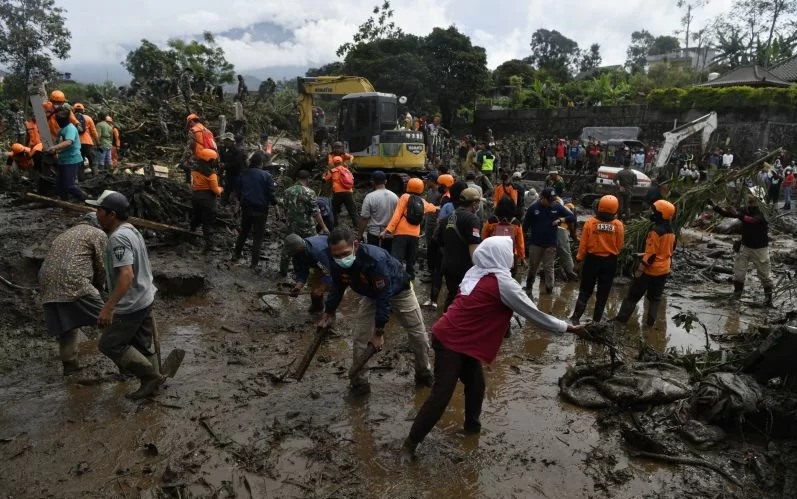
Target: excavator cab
point(367, 126)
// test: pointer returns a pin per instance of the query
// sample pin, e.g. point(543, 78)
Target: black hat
point(111, 201)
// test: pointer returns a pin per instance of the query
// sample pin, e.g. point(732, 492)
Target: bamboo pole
point(138, 222)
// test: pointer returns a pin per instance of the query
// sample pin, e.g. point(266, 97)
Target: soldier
point(625, 180)
point(301, 213)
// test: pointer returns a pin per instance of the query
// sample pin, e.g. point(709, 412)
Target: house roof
point(751, 76)
point(787, 71)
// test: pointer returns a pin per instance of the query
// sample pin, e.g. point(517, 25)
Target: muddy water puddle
point(222, 428)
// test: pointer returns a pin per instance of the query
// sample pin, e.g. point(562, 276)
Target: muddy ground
point(232, 424)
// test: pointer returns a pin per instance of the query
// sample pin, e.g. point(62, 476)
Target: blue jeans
point(65, 177)
point(787, 196)
point(104, 157)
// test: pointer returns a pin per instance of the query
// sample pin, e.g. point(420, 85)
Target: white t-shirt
point(378, 207)
point(727, 159)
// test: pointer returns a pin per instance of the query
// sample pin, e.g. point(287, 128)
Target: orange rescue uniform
point(89, 135)
point(601, 238)
point(33, 133)
point(333, 176)
point(658, 253)
point(346, 157)
point(49, 110)
point(399, 226)
point(197, 132)
point(25, 159)
point(504, 190)
point(518, 241)
point(200, 182)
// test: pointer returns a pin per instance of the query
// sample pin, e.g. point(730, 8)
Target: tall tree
point(590, 59)
point(637, 53)
point(513, 67)
point(149, 62)
point(553, 52)
point(32, 32)
point(457, 69)
point(664, 44)
point(689, 7)
point(379, 25)
point(205, 59)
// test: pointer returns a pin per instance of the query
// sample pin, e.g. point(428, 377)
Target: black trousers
point(87, 151)
point(204, 213)
point(434, 261)
point(125, 331)
point(341, 199)
point(386, 243)
point(405, 249)
point(652, 286)
point(625, 203)
point(453, 278)
point(598, 270)
point(253, 219)
point(449, 367)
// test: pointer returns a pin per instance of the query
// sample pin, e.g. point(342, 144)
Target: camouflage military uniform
point(300, 204)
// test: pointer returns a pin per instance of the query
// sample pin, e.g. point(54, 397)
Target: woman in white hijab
point(471, 332)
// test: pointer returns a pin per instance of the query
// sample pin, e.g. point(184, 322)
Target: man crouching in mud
point(383, 283)
point(127, 314)
point(471, 332)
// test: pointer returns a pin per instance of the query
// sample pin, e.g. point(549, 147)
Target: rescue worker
point(504, 223)
point(89, 137)
point(542, 222)
point(205, 191)
point(376, 211)
point(71, 276)
point(381, 281)
point(754, 247)
point(233, 158)
point(311, 266)
point(116, 144)
point(487, 163)
point(564, 254)
point(127, 313)
point(405, 225)
point(448, 202)
point(255, 189)
point(554, 181)
point(56, 103)
point(625, 180)
point(651, 275)
point(342, 182)
point(302, 214)
point(67, 148)
point(21, 158)
point(104, 142)
point(337, 150)
point(505, 188)
point(602, 238)
point(199, 139)
point(461, 235)
point(463, 339)
point(517, 183)
point(33, 136)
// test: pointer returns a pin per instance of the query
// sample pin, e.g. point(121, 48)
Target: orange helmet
point(337, 160)
point(191, 117)
point(78, 107)
point(446, 180)
point(608, 204)
point(415, 186)
point(17, 148)
point(665, 208)
point(57, 96)
point(207, 155)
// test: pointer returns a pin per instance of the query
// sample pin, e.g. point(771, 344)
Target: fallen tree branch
point(16, 286)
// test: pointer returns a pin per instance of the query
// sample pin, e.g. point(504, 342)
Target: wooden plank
point(138, 222)
point(36, 102)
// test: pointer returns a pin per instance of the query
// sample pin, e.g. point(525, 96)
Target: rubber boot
point(135, 362)
point(738, 287)
point(653, 312)
point(626, 309)
point(578, 312)
point(529, 283)
point(597, 312)
point(768, 297)
point(67, 351)
point(408, 450)
point(316, 304)
point(153, 361)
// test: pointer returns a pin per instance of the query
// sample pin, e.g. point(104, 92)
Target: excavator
point(705, 125)
point(367, 125)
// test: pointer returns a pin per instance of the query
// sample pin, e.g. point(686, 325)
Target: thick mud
point(233, 423)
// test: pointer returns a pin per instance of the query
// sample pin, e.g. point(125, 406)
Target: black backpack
point(81, 123)
point(415, 210)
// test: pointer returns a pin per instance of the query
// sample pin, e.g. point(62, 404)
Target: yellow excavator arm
point(323, 85)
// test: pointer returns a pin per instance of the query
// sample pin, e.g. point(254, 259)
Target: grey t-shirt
point(126, 247)
point(378, 207)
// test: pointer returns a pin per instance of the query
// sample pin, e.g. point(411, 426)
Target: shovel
point(169, 367)
point(370, 351)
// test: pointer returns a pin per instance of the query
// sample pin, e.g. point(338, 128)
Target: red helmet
point(415, 186)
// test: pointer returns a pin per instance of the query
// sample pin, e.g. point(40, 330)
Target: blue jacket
point(539, 221)
point(375, 274)
point(256, 188)
point(316, 255)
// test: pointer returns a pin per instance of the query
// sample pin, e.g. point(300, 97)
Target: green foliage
point(590, 59)
point(513, 67)
point(709, 98)
point(554, 52)
point(331, 69)
point(638, 50)
point(664, 44)
point(377, 27)
point(32, 32)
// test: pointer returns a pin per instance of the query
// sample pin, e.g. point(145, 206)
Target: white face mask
point(346, 262)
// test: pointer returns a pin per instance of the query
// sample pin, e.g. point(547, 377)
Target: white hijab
point(493, 256)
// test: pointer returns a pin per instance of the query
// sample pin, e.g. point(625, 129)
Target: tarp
point(607, 133)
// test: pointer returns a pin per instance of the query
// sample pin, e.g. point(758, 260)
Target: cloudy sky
point(281, 38)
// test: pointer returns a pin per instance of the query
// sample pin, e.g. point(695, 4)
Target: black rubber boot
point(597, 312)
point(578, 312)
point(626, 309)
point(316, 304)
point(768, 297)
point(738, 287)
point(653, 312)
point(408, 450)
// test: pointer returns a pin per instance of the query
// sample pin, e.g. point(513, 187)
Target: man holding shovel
point(127, 314)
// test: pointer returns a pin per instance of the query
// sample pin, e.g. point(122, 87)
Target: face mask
point(346, 262)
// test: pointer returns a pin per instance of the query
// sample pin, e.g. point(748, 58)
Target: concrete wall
point(744, 129)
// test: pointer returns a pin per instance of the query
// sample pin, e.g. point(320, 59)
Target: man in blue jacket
point(310, 263)
point(255, 189)
point(383, 283)
point(541, 223)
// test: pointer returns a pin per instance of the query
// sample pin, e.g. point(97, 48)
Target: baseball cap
point(469, 195)
point(432, 176)
point(111, 201)
point(517, 175)
point(548, 193)
point(378, 177)
point(553, 172)
point(228, 136)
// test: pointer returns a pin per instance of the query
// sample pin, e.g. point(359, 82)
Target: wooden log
point(138, 222)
